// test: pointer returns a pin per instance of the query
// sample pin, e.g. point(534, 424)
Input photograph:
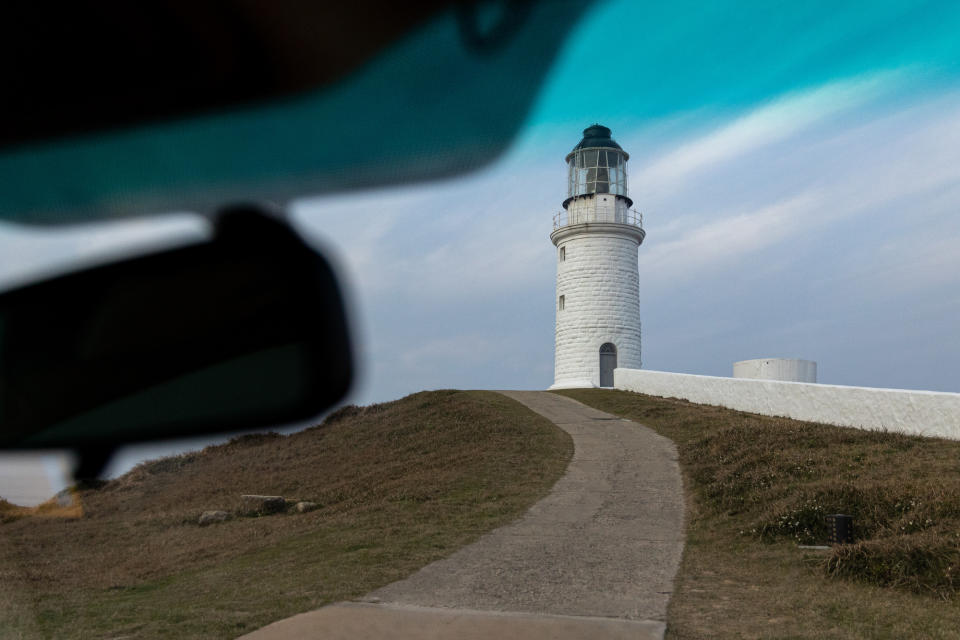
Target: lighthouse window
point(602, 184)
point(597, 171)
point(563, 254)
point(560, 303)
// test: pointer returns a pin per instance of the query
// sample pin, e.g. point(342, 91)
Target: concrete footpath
point(595, 558)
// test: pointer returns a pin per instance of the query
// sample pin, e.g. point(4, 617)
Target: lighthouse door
point(608, 362)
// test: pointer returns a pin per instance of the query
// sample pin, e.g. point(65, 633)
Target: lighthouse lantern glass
point(596, 171)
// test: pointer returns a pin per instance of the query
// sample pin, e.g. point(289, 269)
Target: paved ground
point(595, 558)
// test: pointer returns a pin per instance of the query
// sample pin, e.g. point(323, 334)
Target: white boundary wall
point(925, 413)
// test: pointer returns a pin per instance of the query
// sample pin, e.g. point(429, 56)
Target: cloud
point(771, 123)
point(32, 253)
point(479, 236)
point(706, 247)
point(900, 166)
point(837, 244)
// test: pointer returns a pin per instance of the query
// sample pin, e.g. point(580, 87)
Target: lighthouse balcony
point(588, 215)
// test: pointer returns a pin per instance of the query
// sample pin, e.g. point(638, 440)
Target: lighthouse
point(597, 234)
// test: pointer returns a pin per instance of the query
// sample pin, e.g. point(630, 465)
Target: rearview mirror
point(245, 331)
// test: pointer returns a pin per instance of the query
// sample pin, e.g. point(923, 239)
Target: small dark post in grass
point(841, 528)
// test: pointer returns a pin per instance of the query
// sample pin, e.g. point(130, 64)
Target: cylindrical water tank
point(783, 369)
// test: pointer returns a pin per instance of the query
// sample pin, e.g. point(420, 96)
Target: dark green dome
point(597, 136)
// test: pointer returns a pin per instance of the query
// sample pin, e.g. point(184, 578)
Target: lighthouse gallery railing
point(564, 218)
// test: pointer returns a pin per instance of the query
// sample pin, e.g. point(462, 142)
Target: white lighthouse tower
point(598, 285)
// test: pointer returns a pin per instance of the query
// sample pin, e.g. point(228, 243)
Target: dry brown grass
point(52, 508)
point(399, 484)
point(759, 486)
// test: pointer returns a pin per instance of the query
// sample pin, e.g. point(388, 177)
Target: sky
point(797, 165)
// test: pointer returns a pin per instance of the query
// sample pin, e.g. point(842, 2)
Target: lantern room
point(597, 165)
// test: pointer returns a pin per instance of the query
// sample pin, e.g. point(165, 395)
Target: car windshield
point(795, 170)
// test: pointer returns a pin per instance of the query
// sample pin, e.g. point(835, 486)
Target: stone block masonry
point(924, 413)
point(599, 282)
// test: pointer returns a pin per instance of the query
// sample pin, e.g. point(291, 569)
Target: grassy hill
point(757, 487)
point(398, 485)
point(404, 483)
